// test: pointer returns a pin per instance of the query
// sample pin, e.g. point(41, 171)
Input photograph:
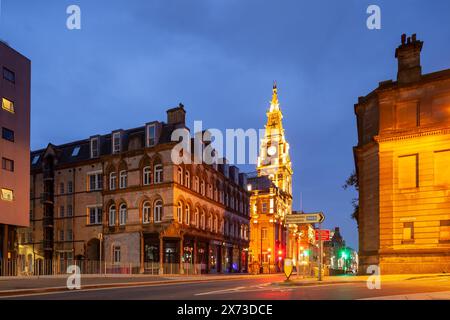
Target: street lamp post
point(100, 237)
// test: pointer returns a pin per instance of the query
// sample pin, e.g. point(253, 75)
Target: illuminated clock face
point(271, 151)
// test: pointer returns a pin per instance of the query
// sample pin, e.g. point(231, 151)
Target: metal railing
point(41, 267)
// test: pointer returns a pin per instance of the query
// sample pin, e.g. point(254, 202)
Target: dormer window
point(94, 147)
point(75, 151)
point(116, 147)
point(151, 135)
point(35, 159)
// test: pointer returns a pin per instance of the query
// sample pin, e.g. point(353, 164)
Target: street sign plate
point(302, 218)
point(324, 233)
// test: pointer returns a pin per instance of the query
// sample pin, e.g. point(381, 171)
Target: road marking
point(439, 295)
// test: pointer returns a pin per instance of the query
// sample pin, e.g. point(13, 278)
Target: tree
point(352, 182)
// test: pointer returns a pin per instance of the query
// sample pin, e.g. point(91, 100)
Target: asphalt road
point(257, 289)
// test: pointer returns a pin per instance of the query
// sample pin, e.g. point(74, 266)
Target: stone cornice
point(411, 135)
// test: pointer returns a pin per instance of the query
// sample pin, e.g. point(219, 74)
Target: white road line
point(439, 295)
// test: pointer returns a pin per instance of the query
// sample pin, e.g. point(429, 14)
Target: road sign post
point(304, 218)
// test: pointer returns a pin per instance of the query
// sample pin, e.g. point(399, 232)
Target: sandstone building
point(119, 198)
point(402, 162)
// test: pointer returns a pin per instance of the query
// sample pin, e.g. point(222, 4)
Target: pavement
point(229, 287)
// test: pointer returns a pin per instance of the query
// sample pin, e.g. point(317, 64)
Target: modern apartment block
point(120, 199)
point(14, 148)
point(402, 164)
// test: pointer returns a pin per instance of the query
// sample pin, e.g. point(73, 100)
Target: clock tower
point(274, 160)
point(271, 196)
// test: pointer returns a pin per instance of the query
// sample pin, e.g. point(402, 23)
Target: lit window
point(408, 232)
point(8, 105)
point(7, 195)
point(75, 151)
point(187, 181)
point(264, 233)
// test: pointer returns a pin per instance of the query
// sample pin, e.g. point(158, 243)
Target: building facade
point(14, 149)
point(402, 164)
point(120, 199)
point(271, 195)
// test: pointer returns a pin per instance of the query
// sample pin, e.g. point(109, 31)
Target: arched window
point(202, 187)
point(112, 181)
point(216, 198)
point(210, 193)
point(180, 212)
point(187, 179)
point(216, 224)
point(202, 220)
point(157, 211)
point(146, 176)
point(180, 176)
point(146, 209)
point(196, 218)
point(158, 173)
point(210, 222)
point(112, 215)
point(196, 184)
point(123, 176)
point(187, 215)
point(221, 227)
point(123, 214)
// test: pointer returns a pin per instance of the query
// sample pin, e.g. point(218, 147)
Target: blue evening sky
point(133, 59)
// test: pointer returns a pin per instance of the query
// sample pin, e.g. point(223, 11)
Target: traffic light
point(344, 253)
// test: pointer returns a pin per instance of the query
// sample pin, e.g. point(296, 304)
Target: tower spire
point(274, 104)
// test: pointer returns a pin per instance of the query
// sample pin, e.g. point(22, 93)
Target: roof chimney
point(177, 116)
point(408, 56)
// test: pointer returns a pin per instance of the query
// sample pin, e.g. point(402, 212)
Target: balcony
point(46, 198)
point(47, 222)
point(47, 245)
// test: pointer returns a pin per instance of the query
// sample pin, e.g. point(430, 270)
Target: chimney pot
point(408, 56)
